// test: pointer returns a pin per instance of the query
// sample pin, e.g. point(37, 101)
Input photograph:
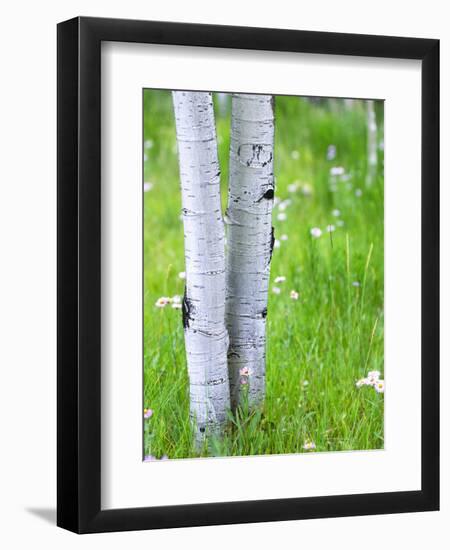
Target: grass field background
point(319, 345)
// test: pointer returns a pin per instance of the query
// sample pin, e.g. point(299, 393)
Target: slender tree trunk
point(371, 142)
point(206, 337)
point(250, 242)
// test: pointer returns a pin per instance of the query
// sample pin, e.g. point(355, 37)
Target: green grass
point(318, 345)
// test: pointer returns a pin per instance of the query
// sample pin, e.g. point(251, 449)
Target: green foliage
point(318, 345)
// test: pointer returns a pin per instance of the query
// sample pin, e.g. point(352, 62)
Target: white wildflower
point(163, 301)
point(331, 152)
point(148, 186)
point(336, 213)
point(284, 237)
point(307, 190)
point(282, 216)
point(293, 295)
point(295, 154)
point(337, 171)
point(182, 275)
point(276, 290)
point(280, 279)
point(316, 232)
point(309, 445)
point(331, 228)
point(284, 204)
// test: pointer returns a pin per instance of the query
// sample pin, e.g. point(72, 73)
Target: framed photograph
point(248, 289)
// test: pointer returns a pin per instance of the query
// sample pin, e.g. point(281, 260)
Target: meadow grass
point(317, 345)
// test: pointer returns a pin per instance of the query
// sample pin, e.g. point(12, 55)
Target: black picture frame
point(79, 276)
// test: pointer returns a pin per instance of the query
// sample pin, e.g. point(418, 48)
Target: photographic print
point(263, 238)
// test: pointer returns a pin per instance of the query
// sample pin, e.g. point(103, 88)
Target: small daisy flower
point(373, 375)
point(295, 154)
point(182, 275)
point(280, 279)
point(356, 283)
point(293, 295)
point(362, 382)
point(379, 386)
point(176, 299)
point(148, 186)
point(284, 238)
point(163, 301)
point(244, 373)
point(305, 383)
point(293, 187)
point(316, 232)
point(309, 445)
point(358, 193)
point(337, 171)
point(276, 243)
point(282, 216)
point(331, 228)
point(276, 290)
point(148, 413)
point(336, 213)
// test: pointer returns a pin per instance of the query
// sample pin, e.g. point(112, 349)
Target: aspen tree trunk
point(250, 241)
point(371, 142)
point(206, 337)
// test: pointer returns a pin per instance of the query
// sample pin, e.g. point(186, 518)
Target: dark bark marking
point(272, 242)
point(258, 155)
point(264, 313)
point(269, 194)
point(186, 309)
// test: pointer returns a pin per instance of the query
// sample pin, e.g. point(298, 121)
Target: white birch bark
point(371, 142)
point(206, 338)
point(249, 243)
